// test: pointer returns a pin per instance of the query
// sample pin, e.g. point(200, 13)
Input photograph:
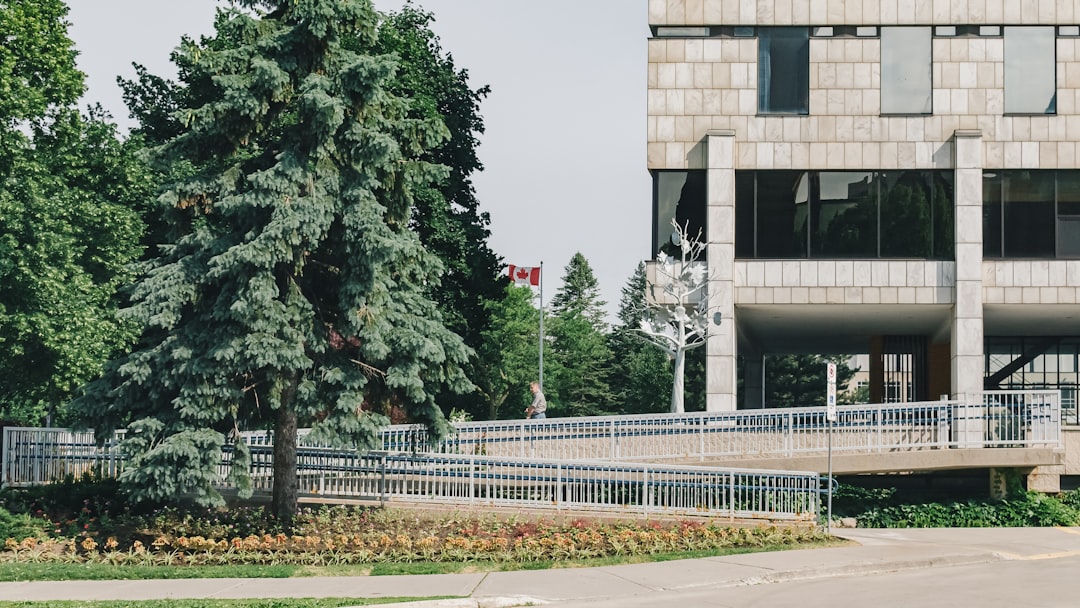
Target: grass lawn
point(19, 571)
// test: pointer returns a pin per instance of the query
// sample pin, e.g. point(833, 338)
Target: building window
point(844, 214)
point(1031, 214)
point(1030, 70)
point(679, 196)
point(783, 70)
point(906, 70)
point(1033, 363)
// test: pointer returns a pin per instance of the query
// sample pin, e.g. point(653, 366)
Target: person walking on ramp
point(537, 410)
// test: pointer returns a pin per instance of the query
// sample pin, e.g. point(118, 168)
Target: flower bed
point(343, 535)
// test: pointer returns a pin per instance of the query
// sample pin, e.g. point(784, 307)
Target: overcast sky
point(564, 149)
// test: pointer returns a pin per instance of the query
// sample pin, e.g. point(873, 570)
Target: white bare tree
point(676, 318)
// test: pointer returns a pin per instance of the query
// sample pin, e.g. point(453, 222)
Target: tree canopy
point(509, 353)
point(641, 373)
point(67, 232)
point(294, 291)
point(799, 380)
point(581, 359)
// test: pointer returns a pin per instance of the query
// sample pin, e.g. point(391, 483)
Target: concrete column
point(753, 380)
point(967, 322)
point(720, 371)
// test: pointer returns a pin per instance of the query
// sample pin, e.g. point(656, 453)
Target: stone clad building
point(893, 177)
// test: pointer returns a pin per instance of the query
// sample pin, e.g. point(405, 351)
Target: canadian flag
point(525, 275)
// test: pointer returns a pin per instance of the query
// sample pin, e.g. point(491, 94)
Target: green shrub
point(1024, 509)
point(850, 501)
point(21, 526)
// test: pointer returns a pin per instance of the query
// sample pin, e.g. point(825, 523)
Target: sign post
point(830, 417)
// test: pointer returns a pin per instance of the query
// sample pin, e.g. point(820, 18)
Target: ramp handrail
point(769, 433)
point(42, 455)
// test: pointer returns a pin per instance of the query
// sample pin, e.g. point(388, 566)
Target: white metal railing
point(1003, 419)
point(1027, 418)
point(558, 485)
point(770, 433)
point(34, 456)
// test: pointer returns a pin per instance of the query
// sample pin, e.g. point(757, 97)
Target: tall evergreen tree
point(641, 373)
point(67, 231)
point(580, 292)
point(799, 380)
point(295, 291)
point(446, 213)
point(581, 359)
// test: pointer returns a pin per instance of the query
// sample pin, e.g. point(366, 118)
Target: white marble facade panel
point(774, 274)
point(808, 274)
point(1056, 274)
point(915, 276)
point(879, 272)
point(676, 11)
point(861, 273)
point(746, 295)
point(845, 273)
point(897, 274)
point(755, 273)
point(860, 12)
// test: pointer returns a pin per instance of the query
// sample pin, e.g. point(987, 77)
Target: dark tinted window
point(783, 70)
point(1068, 205)
point(781, 214)
point(1031, 214)
point(844, 214)
point(679, 196)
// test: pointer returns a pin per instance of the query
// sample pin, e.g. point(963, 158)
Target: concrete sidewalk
point(877, 551)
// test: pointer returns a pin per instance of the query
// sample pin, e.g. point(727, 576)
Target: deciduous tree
point(67, 230)
point(508, 356)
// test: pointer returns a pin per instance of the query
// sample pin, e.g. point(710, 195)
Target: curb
point(470, 602)
point(865, 570)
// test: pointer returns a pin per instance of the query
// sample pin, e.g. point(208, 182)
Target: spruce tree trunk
point(285, 499)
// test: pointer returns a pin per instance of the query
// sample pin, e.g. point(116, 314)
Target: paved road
point(1052, 583)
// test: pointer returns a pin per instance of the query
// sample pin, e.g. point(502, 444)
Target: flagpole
point(540, 381)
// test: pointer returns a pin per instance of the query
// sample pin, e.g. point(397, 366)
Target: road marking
point(1039, 556)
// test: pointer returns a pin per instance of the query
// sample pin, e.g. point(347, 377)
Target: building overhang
point(835, 328)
